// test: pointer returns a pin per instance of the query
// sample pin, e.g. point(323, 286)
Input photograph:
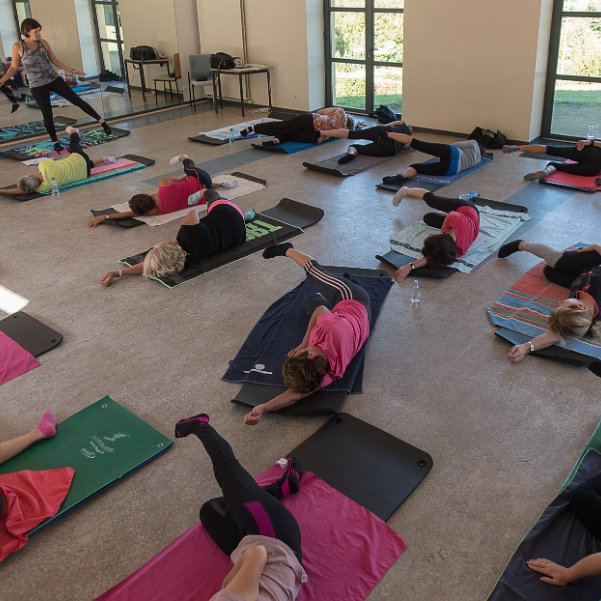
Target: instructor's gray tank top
point(40, 70)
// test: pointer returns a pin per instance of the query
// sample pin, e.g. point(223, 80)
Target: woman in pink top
point(333, 337)
point(459, 228)
point(250, 523)
point(174, 193)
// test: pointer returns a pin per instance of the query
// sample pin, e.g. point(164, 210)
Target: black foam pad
point(360, 163)
point(395, 187)
point(366, 464)
point(127, 223)
point(203, 139)
point(30, 333)
point(295, 213)
point(397, 260)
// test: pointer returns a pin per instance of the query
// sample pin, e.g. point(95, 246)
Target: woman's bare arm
point(57, 62)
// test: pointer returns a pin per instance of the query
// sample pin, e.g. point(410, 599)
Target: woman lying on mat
point(39, 60)
point(302, 128)
point(222, 229)
point(380, 146)
point(250, 523)
point(586, 153)
point(454, 158)
point(585, 502)
point(577, 315)
point(333, 337)
point(75, 167)
point(459, 228)
point(174, 193)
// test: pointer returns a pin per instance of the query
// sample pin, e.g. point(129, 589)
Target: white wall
point(87, 40)
point(469, 63)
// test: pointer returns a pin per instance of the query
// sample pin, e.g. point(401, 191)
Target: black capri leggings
point(296, 129)
point(586, 504)
point(440, 203)
point(442, 151)
point(570, 265)
point(335, 288)
point(42, 97)
point(75, 148)
point(588, 159)
point(201, 175)
point(386, 148)
point(245, 508)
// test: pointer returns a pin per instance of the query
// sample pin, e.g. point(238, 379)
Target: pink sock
point(47, 425)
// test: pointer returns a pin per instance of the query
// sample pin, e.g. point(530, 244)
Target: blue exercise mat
point(445, 180)
point(290, 147)
point(282, 328)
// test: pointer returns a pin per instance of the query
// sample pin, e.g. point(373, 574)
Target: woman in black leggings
point(250, 523)
point(586, 153)
point(39, 61)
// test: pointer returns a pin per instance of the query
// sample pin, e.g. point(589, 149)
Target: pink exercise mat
point(106, 167)
point(346, 552)
point(581, 182)
point(14, 359)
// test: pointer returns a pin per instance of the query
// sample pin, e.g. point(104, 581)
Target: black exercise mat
point(31, 129)
point(126, 223)
point(44, 148)
point(260, 233)
point(431, 187)
point(203, 139)
point(559, 535)
point(250, 178)
point(30, 333)
point(366, 464)
point(360, 163)
point(295, 213)
point(540, 155)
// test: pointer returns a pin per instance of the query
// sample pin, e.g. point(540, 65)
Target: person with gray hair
point(74, 167)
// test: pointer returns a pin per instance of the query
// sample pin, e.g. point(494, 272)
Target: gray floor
point(502, 436)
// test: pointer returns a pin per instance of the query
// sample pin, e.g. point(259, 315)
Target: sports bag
point(222, 60)
point(143, 53)
point(487, 138)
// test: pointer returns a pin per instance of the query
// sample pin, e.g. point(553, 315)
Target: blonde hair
point(571, 320)
point(166, 258)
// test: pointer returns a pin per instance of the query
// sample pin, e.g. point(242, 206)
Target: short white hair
point(166, 258)
point(29, 183)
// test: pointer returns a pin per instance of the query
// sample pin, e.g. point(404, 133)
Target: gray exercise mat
point(366, 464)
point(30, 333)
point(360, 163)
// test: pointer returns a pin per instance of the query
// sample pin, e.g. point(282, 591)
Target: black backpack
point(222, 60)
point(487, 138)
point(385, 114)
point(142, 53)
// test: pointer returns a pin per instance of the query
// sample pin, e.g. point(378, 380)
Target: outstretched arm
point(12, 191)
point(98, 219)
point(402, 272)
point(57, 62)
point(558, 575)
point(519, 351)
point(283, 400)
point(109, 276)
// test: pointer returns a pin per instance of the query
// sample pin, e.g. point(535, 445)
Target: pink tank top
point(175, 196)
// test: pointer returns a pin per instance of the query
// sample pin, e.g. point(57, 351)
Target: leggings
point(245, 507)
point(42, 97)
point(201, 175)
point(588, 159)
point(440, 203)
point(376, 148)
point(75, 148)
point(296, 129)
point(563, 267)
point(336, 288)
point(442, 151)
point(586, 504)
point(9, 93)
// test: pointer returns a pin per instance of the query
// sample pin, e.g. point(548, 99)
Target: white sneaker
point(110, 159)
point(230, 183)
point(178, 159)
point(396, 199)
point(71, 130)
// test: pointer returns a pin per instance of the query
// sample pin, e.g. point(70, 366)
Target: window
point(22, 10)
point(109, 36)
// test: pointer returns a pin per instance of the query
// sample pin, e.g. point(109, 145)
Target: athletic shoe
point(15, 107)
point(189, 425)
point(393, 179)
point(107, 128)
point(531, 177)
point(178, 159)
point(228, 184)
point(110, 159)
point(71, 130)
point(289, 483)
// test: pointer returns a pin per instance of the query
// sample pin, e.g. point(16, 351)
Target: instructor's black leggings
point(442, 151)
point(42, 97)
point(201, 175)
point(446, 205)
point(75, 148)
point(245, 507)
point(588, 159)
point(335, 288)
point(296, 129)
point(586, 504)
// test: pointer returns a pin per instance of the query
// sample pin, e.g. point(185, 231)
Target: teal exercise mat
point(260, 233)
point(45, 148)
point(34, 336)
point(23, 131)
point(368, 465)
point(103, 442)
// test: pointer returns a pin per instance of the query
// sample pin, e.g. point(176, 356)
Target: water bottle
point(469, 195)
point(54, 188)
point(232, 140)
point(591, 131)
point(416, 293)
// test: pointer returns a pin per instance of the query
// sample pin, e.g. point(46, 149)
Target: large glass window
point(109, 35)
point(364, 53)
point(573, 95)
point(22, 10)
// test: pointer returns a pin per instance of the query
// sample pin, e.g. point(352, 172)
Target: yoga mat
point(395, 187)
point(31, 129)
point(289, 147)
point(103, 442)
point(218, 137)
point(360, 163)
point(541, 156)
point(364, 463)
point(126, 223)
point(246, 185)
point(295, 213)
point(14, 359)
point(346, 551)
point(281, 328)
point(580, 183)
point(526, 306)
point(125, 164)
point(557, 535)
point(45, 148)
point(29, 333)
point(260, 233)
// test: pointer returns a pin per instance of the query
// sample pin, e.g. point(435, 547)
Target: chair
point(200, 76)
point(170, 78)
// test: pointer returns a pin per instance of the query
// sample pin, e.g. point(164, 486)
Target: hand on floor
point(252, 418)
point(107, 279)
point(518, 352)
point(401, 273)
point(552, 572)
point(94, 221)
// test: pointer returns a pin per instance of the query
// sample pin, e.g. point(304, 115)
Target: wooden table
point(241, 71)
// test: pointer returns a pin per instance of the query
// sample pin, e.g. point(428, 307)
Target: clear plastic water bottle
point(232, 140)
point(416, 293)
point(55, 190)
point(591, 131)
point(469, 195)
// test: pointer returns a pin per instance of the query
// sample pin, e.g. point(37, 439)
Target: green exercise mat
point(103, 443)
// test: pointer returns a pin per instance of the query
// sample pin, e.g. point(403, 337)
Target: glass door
point(364, 53)
point(109, 36)
point(22, 10)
